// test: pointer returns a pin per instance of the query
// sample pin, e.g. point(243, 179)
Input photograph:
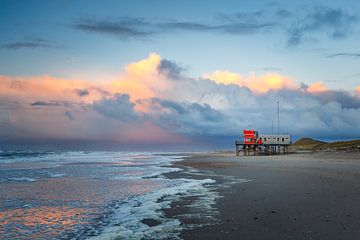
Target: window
point(283, 139)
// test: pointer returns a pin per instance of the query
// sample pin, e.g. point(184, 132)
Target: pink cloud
point(317, 87)
point(257, 84)
point(357, 91)
point(148, 105)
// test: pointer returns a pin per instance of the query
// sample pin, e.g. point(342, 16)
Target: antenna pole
point(278, 113)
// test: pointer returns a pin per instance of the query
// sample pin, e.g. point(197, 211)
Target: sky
point(177, 74)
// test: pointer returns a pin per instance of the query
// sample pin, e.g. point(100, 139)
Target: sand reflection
point(44, 221)
point(62, 207)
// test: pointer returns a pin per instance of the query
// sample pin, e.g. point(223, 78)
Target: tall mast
point(278, 113)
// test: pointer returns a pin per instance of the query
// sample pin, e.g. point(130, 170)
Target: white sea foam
point(25, 179)
point(150, 172)
point(57, 175)
point(126, 220)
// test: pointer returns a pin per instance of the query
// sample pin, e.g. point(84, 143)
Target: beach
point(295, 196)
point(133, 195)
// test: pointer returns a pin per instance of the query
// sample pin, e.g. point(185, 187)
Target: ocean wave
point(7, 155)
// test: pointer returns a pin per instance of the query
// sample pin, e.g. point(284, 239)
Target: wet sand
point(296, 196)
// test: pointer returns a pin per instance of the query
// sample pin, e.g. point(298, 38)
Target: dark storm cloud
point(183, 108)
point(230, 28)
point(119, 107)
point(176, 116)
point(48, 104)
point(123, 28)
point(65, 104)
point(141, 29)
point(188, 118)
point(343, 98)
point(170, 69)
point(188, 26)
point(344, 54)
point(82, 92)
point(336, 22)
point(31, 43)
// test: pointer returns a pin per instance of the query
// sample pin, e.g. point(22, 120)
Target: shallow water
point(99, 195)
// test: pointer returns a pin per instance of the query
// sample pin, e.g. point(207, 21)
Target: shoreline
point(296, 196)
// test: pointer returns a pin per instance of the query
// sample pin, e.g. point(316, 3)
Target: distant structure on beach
point(270, 144)
point(255, 144)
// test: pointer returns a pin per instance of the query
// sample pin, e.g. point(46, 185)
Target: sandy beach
point(295, 196)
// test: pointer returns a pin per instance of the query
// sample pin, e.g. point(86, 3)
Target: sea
point(97, 195)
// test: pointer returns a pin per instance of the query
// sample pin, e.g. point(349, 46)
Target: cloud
point(49, 104)
point(357, 91)
point(31, 89)
point(343, 98)
point(31, 43)
point(336, 22)
point(142, 79)
point(123, 28)
point(82, 92)
point(230, 28)
point(119, 107)
point(344, 54)
point(262, 84)
point(153, 101)
point(186, 118)
point(298, 26)
point(317, 87)
point(170, 69)
point(235, 101)
point(142, 29)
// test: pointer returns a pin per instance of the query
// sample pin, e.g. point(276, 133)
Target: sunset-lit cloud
point(257, 84)
point(43, 88)
point(357, 91)
point(317, 87)
point(141, 79)
point(152, 102)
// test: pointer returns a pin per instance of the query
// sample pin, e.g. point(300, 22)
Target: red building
point(250, 137)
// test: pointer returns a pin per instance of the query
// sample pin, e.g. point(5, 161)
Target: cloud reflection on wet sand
point(41, 222)
point(50, 208)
